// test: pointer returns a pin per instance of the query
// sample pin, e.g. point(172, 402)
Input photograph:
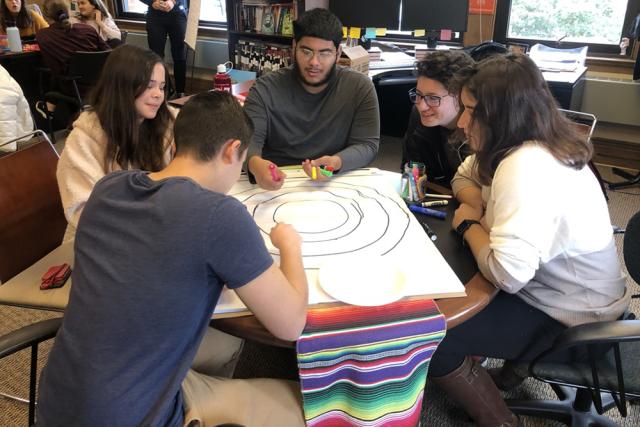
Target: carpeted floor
point(264, 361)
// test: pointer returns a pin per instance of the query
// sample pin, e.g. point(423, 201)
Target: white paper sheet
point(358, 213)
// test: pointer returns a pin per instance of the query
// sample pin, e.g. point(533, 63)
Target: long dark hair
point(22, 20)
point(514, 105)
point(124, 77)
point(57, 11)
point(99, 5)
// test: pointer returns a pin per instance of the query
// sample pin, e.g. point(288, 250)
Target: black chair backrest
point(392, 88)
point(631, 247)
point(87, 66)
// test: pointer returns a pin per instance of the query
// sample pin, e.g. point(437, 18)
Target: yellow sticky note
point(380, 32)
point(354, 32)
point(418, 33)
point(344, 32)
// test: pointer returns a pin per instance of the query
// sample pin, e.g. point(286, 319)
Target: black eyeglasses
point(431, 100)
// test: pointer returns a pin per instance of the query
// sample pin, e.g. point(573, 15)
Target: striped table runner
point(367, 366)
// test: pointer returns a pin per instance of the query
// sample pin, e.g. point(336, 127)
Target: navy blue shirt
point(151, 258)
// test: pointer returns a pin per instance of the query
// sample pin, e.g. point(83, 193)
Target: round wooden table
point(456, 310)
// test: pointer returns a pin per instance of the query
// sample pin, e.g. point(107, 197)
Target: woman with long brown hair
point(14, 13)
point(129, 126)
point(537, 223)
point(95, 14)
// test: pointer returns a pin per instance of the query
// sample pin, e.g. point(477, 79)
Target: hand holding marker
point(274, 173)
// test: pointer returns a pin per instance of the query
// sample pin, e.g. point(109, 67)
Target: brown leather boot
point(510, 376)
point(471, 387)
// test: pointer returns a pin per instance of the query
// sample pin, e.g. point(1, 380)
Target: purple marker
point(274, 173)
point(427, 211)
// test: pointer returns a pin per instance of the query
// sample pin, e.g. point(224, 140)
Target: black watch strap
point(464, 226)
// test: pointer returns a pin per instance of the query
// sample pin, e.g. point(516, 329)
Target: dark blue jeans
point(507, 328)
point(172, 24)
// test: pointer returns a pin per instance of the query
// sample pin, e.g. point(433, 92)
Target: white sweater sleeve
point(466, 175)
point(79, 168)
point(524, 221)
point(109, 30)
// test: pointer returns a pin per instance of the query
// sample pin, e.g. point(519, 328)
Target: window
point(597, 23)
point(213, 11)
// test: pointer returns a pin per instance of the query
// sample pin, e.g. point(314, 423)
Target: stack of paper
point(552, 59)
point(375, 54)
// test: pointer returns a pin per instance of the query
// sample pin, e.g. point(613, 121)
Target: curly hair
point(320, 23)
point(442, 65)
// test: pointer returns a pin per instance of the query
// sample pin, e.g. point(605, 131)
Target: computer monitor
point(367, 13)
point(435, 15)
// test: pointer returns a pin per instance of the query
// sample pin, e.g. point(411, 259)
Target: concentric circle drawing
point(333, 218)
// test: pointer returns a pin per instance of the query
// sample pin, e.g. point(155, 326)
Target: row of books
point(267, 19)
point(261, 57)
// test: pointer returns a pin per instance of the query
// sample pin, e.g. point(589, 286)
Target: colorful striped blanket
point(367, 366)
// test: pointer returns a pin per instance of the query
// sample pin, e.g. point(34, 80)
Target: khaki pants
point(212, 398)
point(210, 401)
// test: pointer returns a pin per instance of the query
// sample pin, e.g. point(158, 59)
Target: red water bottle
point(222, 80)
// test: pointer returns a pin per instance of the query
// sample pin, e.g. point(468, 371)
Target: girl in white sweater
point(96, 14)
point(537, 223)
point(129, 126)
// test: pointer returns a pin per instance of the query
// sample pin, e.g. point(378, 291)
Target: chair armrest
point(599, 333)
point(29, 335)
point(611, 332)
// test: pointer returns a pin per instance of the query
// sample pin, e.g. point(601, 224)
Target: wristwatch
point(464, 226)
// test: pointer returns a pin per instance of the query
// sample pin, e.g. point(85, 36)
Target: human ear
point(231, 151)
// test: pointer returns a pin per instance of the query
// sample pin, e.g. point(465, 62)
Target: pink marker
point(274, 173)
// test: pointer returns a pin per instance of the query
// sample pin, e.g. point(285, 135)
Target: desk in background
point(567, 87)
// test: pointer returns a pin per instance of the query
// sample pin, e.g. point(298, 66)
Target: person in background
point(633, 33)
point(433, 137)
point(15, 116)
point(152, 254)
point(315, 112)
point(15, 13)
point(60, 40)
point(169, 18)
point(129, 126)
point(554, 267)
point(96, 14)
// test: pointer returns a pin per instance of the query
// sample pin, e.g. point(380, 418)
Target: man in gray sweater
point(314, 113)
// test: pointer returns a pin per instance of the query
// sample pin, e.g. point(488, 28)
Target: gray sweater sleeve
point(255, 108)
point(364, 138)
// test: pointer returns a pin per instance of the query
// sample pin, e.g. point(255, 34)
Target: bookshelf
point(260, 33)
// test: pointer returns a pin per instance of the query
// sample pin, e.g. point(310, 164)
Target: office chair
point(32, 224)
point(32, 221)
point(587, 389)
point(585, 124)
point(25, 337)
point(394, 104)
point(83, 73)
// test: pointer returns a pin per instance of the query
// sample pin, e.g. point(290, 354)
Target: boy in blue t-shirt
point(152, 253)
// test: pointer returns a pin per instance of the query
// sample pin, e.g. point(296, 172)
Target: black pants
point(507, 328)
point(172, 24)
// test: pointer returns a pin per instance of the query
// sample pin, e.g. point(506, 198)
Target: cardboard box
point(355, 57)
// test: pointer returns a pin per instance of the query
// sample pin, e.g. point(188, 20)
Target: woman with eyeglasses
point(534, 216)
point(95, 14)
point(433, 137)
